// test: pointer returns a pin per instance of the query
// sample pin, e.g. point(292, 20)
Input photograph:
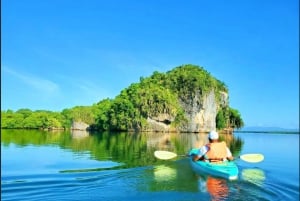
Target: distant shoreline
point(283, 132)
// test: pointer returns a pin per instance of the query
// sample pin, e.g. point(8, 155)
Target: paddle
point(164, 155)
point(251, 158)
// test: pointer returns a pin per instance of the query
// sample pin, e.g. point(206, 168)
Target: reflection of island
point(77, 134)
point(167, 141)
point(160, 141)
point(235, 144)
point(126, 148)
point(181, 143)
point(164, 173)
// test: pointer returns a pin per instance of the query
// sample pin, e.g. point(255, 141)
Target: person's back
point(214, 151)
point(217, 151)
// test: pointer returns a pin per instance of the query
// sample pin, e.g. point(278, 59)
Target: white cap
point(213, 135)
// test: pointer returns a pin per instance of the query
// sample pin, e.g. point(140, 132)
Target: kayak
point(226, 169)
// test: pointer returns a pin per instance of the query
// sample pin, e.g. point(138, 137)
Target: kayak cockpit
point(226, 169)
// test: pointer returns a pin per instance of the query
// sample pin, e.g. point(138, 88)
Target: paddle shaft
point(251, 158)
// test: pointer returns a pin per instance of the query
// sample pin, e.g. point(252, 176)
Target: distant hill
point(268, 129)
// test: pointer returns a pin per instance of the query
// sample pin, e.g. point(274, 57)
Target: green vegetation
point(25, 118)
point(229, 118)
point(161, 93)
point(43, 119)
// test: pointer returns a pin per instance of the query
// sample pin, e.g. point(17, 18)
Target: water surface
point(39, 165)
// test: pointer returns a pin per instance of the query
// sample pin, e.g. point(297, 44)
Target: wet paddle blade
point(164, 155)
point(252, 158)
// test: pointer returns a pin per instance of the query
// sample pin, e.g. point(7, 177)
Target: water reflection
point(164, 173)
point(254, 175)
point(172, 176)
point(78, 134)
point(56, 165)
point(131, 149)
point(115, 151)
point(216, 187)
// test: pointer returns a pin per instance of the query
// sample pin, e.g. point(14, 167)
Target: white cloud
point(84, 89)
point(35, 82)
point(89, 88)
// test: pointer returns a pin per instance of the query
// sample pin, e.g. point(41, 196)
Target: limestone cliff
point(200, 112)
point(78, 125)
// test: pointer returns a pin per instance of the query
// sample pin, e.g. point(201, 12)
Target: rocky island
point(184, 99)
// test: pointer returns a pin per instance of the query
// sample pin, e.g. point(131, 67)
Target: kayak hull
point(227, 169)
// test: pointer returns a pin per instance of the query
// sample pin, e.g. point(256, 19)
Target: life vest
point(217, 151)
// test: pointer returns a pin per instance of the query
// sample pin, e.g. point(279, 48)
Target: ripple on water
point(61, 185)
point(253, 185)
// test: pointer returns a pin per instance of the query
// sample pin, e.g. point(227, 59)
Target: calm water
point(38, 165)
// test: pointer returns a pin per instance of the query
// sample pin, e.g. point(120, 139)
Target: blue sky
point(63, 53)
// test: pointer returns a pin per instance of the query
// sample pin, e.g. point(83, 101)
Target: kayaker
point(214, 151)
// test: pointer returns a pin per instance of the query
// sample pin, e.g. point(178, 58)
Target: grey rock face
point(79, 126)
point(200, 112)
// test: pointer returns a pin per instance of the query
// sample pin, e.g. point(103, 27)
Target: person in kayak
point(214, 151)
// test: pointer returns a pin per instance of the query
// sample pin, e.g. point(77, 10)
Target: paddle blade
point(252, 158)
point(164, 155)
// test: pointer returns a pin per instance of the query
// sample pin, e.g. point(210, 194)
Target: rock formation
point(200, 112)
point(79, 126)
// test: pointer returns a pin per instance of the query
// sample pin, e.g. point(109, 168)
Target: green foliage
point(81, 113)
point(9, 119)
point(43, 119)
point(101, 110)
point(121, 114)
point(161, 93)
point(221, 119)
point(24, 112)
point(186, 80)
point(229, 118)
point(25, 118)
point(235, 119)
